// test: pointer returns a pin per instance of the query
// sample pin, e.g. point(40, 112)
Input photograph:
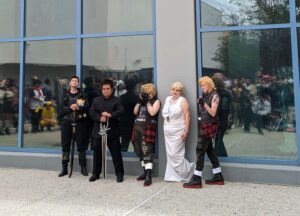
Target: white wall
point(176, 61)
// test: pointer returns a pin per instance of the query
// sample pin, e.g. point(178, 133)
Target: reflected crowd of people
point(265, 102)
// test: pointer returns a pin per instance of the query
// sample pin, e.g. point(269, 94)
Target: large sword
point(73, 143)
point(103, 133)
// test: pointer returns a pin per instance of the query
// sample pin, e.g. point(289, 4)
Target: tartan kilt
point(149, 133)
point(208, 130)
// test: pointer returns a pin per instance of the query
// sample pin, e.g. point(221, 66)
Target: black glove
point(201, 101)
point(145, 97)
point(139, 100)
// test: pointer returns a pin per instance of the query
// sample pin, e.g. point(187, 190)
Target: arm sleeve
point(119, 111)
point(93, 112)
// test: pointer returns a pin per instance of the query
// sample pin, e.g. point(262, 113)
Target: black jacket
point(111, 105)
point(68, 98)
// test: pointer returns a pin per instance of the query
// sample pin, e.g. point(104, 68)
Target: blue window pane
point(49, 64)
point(9, 93)
point(10, 18)
point(117, 15)
point(243, 12)
point(257, 69)
point(126, 60)
point(47, 18)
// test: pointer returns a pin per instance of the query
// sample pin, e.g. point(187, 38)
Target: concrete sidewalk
point(37, 192)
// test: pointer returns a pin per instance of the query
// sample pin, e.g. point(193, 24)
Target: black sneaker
point(195, 182)
point(216, 180)
point(94, 178)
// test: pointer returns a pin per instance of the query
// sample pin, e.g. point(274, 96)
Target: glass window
point(126, 60)
point(10, 18)
point(243, 12)
point(257, 69)
point(117, 15)
point(298, 10)
point(49, 64)
point(46, 18)
point(9, 93)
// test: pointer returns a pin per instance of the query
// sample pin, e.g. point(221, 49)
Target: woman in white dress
point(176, 116)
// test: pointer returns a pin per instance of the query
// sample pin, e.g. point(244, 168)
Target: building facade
point(254, 44)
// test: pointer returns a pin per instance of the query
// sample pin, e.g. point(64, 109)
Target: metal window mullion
point(295, 63)
point(243, 28)
point(154, 41)
point(78, 37)
point(21, 74)
point(117, 34)
point(199, 45)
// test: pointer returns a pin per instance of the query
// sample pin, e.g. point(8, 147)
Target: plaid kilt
point(149, 133)
point(208, 130)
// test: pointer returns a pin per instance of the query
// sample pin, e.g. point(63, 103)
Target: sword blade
point(72, 155)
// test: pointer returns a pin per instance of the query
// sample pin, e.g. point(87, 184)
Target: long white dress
point(178, 168)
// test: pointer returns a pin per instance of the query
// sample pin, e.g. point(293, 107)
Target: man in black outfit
point(107, 108)
point(75, 108)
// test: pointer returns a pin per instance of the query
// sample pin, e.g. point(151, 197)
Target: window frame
point(292, 26)
point(78, 36)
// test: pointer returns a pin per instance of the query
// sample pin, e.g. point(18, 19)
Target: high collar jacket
point(112, 105)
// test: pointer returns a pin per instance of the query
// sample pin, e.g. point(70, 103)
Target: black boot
point(82, 163)
point(94, 177)
point(195, 182)
point(148, 178)
point(84, 171)
point(216, 180)
point(64, 170)
point(142, 177)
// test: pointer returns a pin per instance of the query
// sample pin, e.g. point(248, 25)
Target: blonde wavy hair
point(149, 88)
point(178, 86)
point(208, 81)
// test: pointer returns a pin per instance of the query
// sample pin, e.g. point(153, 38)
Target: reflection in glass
point(117, 15)
point(9, 93)
point(46, 18)
point(9, 18)
point(126, 60)
point(257, 69)
point(243, 12)
point(49, 64)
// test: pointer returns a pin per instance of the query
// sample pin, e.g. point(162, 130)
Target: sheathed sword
point(73, 142)
point(103, 133)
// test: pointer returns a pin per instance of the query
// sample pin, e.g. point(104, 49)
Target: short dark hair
point(74, 77)
point(107, 82)
point(47, 81)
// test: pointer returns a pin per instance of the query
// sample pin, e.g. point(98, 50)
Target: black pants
point(219, 143)
point(205, 145)
point(259, 121)
point(115, 151)
point(80, 135)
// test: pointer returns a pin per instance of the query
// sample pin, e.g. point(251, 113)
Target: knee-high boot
point(82, 163)
point(65, 161)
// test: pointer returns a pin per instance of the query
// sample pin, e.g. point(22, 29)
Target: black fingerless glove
point(201, 101)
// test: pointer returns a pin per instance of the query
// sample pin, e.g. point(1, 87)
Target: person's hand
point(106, 114)
point(139, 100)
point(74, 107)
point(201, 101)
point(184, 135)
point(145, 97)
point(103, 119)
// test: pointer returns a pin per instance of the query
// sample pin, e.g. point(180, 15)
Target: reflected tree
point(242, 53)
